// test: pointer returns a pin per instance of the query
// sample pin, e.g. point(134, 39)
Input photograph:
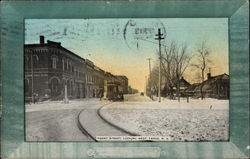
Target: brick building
point(50, 69)
point(124, 83)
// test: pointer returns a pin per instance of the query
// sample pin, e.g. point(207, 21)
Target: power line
point(152, 42)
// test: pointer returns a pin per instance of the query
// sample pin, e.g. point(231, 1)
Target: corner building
point(51, 68)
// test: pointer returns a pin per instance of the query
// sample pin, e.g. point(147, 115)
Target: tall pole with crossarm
point(159, 37)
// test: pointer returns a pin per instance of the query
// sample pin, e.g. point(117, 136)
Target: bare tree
point(153, 80)
point(203, 54)
point(167, 60)
point(182, 60)
point(175, 62)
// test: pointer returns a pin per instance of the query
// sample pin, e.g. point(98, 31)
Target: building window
point(35, 61)
point(63, 64)
point(67, 64)
point(54, 61)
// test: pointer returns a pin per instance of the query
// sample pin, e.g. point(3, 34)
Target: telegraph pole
point(149, 82)
point(159, 37)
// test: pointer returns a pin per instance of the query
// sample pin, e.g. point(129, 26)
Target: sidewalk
point(60, 105)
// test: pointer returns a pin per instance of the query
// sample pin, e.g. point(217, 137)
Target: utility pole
point(149, 82)
point(32, 76)
point(159, 37)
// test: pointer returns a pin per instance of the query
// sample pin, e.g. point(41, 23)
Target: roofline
point(59, 46)
point(63, 48)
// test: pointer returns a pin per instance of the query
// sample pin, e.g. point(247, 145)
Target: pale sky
point(122, 46)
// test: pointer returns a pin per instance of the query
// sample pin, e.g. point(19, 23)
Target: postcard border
point(12, 31)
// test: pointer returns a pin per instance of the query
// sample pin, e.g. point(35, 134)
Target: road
point(92, 121)
point(56, 125)
point(95, 125)
point(136, 98)
point(56, 121)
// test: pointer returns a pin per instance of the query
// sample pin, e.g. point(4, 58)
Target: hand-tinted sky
point(122, 46)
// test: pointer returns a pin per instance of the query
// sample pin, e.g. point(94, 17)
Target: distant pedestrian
point(211, 106)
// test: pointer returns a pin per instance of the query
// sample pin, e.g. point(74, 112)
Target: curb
point(82, 129)
point(113, 125)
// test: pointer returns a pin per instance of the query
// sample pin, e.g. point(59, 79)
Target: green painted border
point(12, 40)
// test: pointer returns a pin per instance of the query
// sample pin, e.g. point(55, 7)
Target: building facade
point(124, 83)
point(212, 87)
point(51, 71)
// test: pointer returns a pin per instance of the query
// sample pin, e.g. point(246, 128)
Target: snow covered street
point(56, 121)
point(198, 120)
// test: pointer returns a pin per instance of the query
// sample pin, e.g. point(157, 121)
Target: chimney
point(208, 75)
point(41, 39)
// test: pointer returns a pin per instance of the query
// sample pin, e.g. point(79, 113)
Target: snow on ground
point(60, 105)
point(57, 121)
point(183, 121)
point(53, 126)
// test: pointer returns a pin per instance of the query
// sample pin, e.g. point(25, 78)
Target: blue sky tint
point(122, 46)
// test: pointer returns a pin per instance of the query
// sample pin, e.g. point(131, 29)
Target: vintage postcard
point(144, 79)
point(124, 79)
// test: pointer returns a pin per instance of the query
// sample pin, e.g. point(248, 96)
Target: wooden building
point(213, 87)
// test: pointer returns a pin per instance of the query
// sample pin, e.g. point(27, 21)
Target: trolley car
point(114, 91)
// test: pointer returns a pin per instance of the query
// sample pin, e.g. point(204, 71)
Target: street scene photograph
point(137, 79)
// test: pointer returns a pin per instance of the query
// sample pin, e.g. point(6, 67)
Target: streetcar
point(114, 91)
